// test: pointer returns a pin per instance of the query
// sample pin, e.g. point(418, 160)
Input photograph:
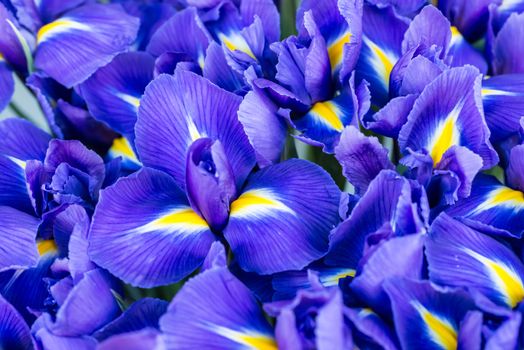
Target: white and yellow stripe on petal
point(502, 196)
point(236, 42)
point(61, 25)
point(440, 330)
point(250, 339)
point(446, 135)
point(122, 148)
point(503, 276)
point(256, 203)
point(336, 50)
point(329, 280)
point(328, 113)
point(129, 99)
point(46, 246)
point(182, 219)
point(381, 60)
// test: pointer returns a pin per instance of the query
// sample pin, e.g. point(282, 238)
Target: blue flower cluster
point(204, 182)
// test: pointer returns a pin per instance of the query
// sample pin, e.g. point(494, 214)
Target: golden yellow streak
point(46, 246)
point(385, 62)
point(336, 50)
point(258, 342)
point(442, 331)
point(181, 217)
point(514, 289)
point(510, 283)
point(333, 280)
point(444, 141)
point(50, 27)
point(242, 46)
point(121, 147)
point(327, 111)
point(251, 198)
point(506, 195)
point(455, 31)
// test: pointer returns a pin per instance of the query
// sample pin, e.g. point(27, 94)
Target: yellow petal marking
point(183, 217)
point(333, 279)
point(336, 50)
point(507, 281)
point(58, 26)
point(446, 135)
point(502, 196)
point(440, 330)
point(251, 340)
point(46, 246)
point(236, 42)
point(251, 201)
point(327, 112)
point(121, 147)
point(382, 62)
point(132, 100)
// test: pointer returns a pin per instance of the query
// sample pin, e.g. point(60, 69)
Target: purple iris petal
point(210, 181)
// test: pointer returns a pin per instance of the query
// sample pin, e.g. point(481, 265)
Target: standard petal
point(265, 129)
point(215, 310)
point(282, 219)
point(461, 257)
point(515, 171)
point(362, 158)
point(75, 45)
point(168, 39)
point(145, 232)
point(113, 93)
point(428, 28)
point(175, 111)
point(508, 46)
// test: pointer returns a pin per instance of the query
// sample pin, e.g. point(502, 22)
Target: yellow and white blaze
point(440, 330)
point(61, 25)
point(257, 203)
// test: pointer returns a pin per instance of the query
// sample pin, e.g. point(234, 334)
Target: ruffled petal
point(361, 157)
point(448, 113)
point(508, 46)
point(386, 262)
point(90, 305)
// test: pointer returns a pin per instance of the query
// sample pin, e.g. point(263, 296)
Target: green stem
point(18, 111)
